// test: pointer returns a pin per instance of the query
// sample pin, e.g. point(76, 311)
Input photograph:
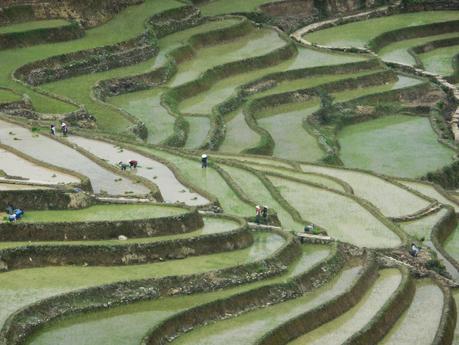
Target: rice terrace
point(209, 172)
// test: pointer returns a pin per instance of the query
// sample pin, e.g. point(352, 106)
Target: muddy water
point(393, 201)
point(239, 135)
point(21, 287)
point(292, 140)
point(14, 165)
point(430, 191)
point(261, 195)
point(128, 324)
point(397, 145)
point(53, 152)
point(342, 217)
point(417, 326)
point(247, 328)
point(342, 328)
point(171, 189)
point(360, 33)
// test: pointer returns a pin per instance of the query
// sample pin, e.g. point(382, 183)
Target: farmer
point(264, 213)
point(19, 213)
point(309, 228)
point(204, 161)
point(133, 164)
point(414, 251)
point(53, 130)
point(257, 214)
point(123, 166)
point(64, 129)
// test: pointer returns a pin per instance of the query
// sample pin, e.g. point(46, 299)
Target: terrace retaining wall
point(67, 32)
point(93, 60)
point(100, 230)
point(43, 199)
point(124, 254)
point(25, 321)
point(247, 301)
point(88, 12)
point(324, 313)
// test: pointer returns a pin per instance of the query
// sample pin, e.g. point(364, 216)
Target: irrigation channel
point(324, 210)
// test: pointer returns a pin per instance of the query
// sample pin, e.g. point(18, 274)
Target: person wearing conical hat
point(204, 160)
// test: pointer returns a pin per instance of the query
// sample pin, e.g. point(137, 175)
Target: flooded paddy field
point(321, 137)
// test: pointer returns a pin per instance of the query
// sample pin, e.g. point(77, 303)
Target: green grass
point(33, 25)
point(127, 24)
point(217, 7)
point(396, 145)
point(99, 213)
point(8, 96)
point(360, 33)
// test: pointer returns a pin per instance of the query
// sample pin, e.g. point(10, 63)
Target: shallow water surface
point(392, 200)
point(343, 327)
point(247, 328)
point(14, 165)
point(51, 151)
point(397, 145)
point(21, 287)
point(171, 189)
point(416, 326)
point(342, 217)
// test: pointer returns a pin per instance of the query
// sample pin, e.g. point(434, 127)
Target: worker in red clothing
point(133, 164)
